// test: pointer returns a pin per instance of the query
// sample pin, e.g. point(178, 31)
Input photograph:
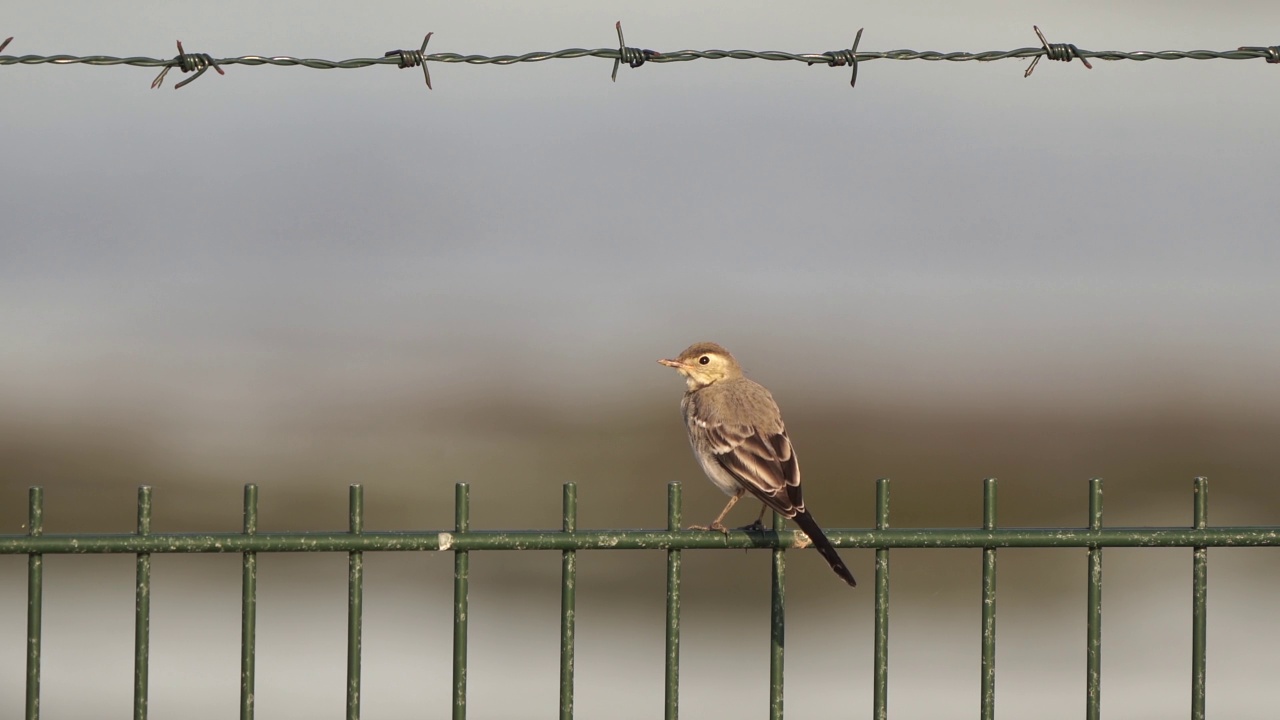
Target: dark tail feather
point(824, 546)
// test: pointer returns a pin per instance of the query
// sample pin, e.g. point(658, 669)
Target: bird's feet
point(717, 526)
point(756, 526)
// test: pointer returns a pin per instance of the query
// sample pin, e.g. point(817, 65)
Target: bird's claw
point(756, 526)
point(718, 527)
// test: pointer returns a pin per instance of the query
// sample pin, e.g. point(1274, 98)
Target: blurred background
point(306, 278)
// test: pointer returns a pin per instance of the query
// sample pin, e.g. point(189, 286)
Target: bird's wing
point(763, 462)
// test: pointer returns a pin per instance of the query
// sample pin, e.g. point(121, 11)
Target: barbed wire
point(635, 57)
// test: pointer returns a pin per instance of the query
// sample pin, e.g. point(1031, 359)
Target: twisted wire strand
point(665, 57)
point(1247, 53)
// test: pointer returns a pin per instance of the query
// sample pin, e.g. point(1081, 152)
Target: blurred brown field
point(516, 456)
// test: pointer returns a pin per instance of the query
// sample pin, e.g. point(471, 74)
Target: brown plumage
point(738, 437)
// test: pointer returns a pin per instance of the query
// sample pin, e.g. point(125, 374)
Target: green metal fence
point(462, 541)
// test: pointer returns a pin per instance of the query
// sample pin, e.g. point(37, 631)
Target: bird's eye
point(704, 360)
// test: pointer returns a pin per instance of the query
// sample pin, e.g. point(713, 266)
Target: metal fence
point(461, 541)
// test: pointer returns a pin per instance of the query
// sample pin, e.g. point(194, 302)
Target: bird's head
point(705, 363)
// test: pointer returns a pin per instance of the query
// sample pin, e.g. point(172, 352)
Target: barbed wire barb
point(414, 58)
point(840, 58)
point(187, 62)
point(1055, 51)
point(633, 57)
point(6, 42)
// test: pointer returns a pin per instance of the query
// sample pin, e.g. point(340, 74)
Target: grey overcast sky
point(941, 233)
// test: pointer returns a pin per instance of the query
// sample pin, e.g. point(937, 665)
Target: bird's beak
point(673, 364)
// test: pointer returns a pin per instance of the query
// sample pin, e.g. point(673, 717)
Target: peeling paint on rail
point(397, 541)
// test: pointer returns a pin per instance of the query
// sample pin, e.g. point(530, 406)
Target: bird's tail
point(824, 546)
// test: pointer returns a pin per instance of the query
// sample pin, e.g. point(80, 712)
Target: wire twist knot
point(414, 58)
point(187, 62)
point(408, 58)
point(1063, 52)
point(633, 57)
point(840, 58)
point(1272, 52)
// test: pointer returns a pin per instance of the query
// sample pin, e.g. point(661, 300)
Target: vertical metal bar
point(1199, 601)
point(35, 601)
point(355, 598)
point(248, 606)
point(672, 684)
point(568, 602)
point(880, 693)
point(1093, 652)
point(777, 624)
point(461, 568)
point(989, 604)
point(142, 611)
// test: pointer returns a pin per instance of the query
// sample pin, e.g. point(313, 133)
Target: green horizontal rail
point(1251, 536)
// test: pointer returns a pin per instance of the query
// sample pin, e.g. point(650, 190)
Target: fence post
point(777, 622)
point(989, 604)
point(568, 602)
point(1199, 601)
point(35, 601)
point(672, 684)
point(142, 611)
point(461, 569)
point(355, 602)
point(1093, 640)
point(880, 691)
point(248, 606)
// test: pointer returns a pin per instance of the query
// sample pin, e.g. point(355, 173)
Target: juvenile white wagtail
point(737, 435)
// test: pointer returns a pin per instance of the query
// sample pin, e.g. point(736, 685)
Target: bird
point(738, 437)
